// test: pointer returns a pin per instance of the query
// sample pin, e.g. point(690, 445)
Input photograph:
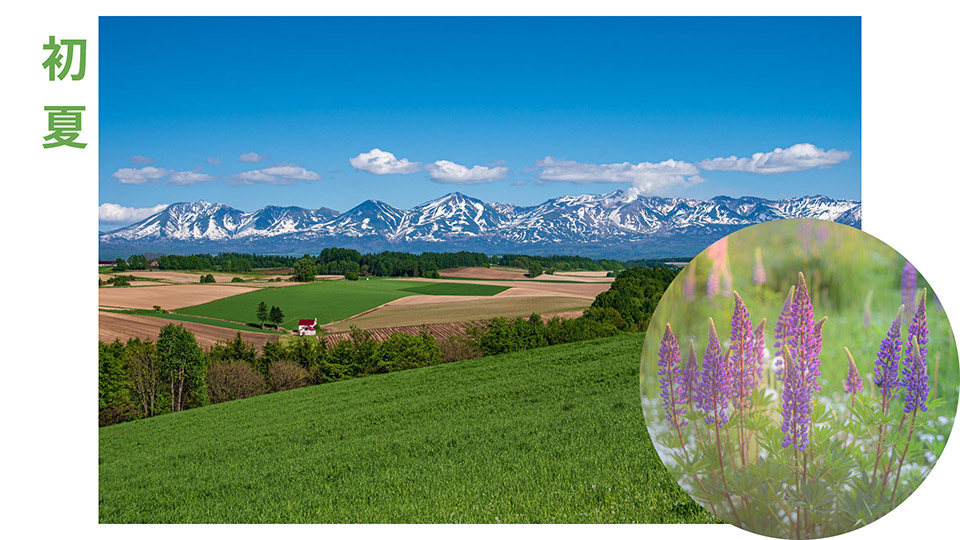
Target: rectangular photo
point(399, 269)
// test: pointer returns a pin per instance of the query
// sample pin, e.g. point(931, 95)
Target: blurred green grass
point(842, 266)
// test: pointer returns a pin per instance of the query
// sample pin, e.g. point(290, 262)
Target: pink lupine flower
point(690, 281)
point(908, 287)
point(759, 272)
point(853, 384)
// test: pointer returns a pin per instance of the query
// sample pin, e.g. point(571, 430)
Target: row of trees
point(144, 378)
point(272, 314)
point(342, 261)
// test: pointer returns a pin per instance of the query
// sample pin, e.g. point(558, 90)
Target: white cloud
point(139, 176)
point(448, 172)
point(185, 178)
point(214, 161)
point(798, 157)
point(139, 160)
point(645, 177)
point(377, 161)
point(252, 157)
point(292, 172)
point(283, 175)
point(115, 214)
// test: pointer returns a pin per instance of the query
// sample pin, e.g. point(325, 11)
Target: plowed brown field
point(165, 296)
point(122, 326)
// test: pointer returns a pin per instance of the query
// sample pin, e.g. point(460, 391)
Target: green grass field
point(327, 301)
point(200, 320)
point(550, 435)
point(464, 289)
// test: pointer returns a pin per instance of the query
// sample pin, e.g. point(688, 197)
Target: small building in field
point(107, 263)
point(308, 327)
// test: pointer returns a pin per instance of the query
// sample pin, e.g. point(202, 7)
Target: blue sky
point(257, 111)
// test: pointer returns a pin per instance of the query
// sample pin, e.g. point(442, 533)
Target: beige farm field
point(478, 272)
point(482, 308)
point(122, 326)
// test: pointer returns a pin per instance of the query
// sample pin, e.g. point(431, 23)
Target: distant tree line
point(341, 261)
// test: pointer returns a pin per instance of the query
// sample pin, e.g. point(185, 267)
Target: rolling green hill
point(550, 435)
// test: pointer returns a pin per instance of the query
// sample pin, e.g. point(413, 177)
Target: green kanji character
point(64, 125)
point(56, 60)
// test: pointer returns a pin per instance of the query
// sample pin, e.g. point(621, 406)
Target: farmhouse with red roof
point(308, 327)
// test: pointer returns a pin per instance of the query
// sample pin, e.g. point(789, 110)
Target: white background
point(48, 217)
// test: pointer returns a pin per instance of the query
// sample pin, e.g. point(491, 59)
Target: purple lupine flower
point(804, 334)
point(759, 273)
point(714, 388)
point(816, 346)
point(690, 282)
point(671, 387)
point(908, 288)
point(796, 404)
point(758, 348)
point(853, 384)
point(915, 359)
point(804, 341)
point(780, 332)
point(915, 378)
point(886, 366)
point(691, 372)
point(742, 369)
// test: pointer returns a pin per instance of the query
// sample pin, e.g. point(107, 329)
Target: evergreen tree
point(276, 315)
point(262, 313)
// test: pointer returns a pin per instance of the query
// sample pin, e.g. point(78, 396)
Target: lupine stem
point(906, 445)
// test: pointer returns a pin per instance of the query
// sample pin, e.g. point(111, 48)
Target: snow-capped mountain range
point(615, 225)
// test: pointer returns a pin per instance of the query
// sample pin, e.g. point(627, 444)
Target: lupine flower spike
point(691, 372)
point(758, 348)
point(759, 273)
point(853, 384)
point(743, 371)
point(915, 360)
point(886, 366)
point(671, 388)
point(714, 387)
point(796, 404)
point(802, 350)
point(780, 332)
point(885, 376)
point(804, 335)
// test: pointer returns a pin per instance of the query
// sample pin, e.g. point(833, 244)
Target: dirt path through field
point(122, 326)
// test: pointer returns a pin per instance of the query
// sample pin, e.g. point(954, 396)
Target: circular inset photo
point(799, 378)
